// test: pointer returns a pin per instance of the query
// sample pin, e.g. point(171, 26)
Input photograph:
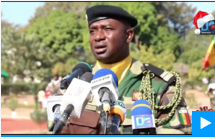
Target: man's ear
point(129, 35)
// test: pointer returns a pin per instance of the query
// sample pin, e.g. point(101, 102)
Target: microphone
point(74, 100)
point(77, 72)
point(104, 88)
point(53, 110)
point(118, 113)
point(105, 91)
point(142, 118)
point(56, 111)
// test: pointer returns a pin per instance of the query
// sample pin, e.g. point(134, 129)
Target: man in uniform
point(111, 31)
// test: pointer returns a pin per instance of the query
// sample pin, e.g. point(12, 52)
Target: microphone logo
point(120, 103)
point(141, 121)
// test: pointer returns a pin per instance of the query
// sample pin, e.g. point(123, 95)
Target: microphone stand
point(103, 121)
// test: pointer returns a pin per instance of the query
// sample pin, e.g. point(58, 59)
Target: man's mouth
point(100, 49)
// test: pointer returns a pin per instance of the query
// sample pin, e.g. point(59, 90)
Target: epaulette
point(165, 75)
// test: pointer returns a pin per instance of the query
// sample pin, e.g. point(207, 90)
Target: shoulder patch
point(184, 116)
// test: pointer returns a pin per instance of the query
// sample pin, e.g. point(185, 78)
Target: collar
point(120, 68)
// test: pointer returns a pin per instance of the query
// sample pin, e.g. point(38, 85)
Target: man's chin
point(102, 59)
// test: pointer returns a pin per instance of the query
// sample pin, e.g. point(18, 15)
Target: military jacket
point(178, 123)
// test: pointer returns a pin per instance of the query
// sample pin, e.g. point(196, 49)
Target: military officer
point(111, 31)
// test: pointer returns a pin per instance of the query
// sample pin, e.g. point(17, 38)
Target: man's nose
point(100, 35)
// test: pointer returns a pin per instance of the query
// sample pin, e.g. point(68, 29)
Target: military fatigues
point(177, 123)
point(129, 92)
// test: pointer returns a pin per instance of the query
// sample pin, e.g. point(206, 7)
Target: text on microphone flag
point(142, 121)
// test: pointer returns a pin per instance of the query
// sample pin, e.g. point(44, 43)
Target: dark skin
point(109, 40)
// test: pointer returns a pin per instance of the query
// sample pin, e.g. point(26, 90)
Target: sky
point(19, 13)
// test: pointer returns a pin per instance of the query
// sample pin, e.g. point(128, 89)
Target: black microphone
point(117, 117)
point(73, 102)
point(77, 72)
point(62, 120)
point(56, 111)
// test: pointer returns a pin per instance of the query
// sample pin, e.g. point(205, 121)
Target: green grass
point(20, 106)
point(26, 106)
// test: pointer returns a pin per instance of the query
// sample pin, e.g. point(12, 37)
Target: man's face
point(108, 40)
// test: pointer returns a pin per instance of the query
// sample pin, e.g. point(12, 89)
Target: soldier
point(111, 31)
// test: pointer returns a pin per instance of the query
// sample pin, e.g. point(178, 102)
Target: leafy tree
point(22, 55)
point(59, 32)
point(74, 7)
point(13, 103)
point(164, 60)
point(178, 15)
point(194, 47)
point(166, 40)
point(39, 116)
point(67, 41)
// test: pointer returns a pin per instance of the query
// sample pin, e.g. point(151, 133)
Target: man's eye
point(92, 31)
point(108, 28)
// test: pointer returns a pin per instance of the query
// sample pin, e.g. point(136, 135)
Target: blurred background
point(41, 42)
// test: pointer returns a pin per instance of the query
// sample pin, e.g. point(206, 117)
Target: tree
point(74, 7)
point(164, 60)
point(61, 37)
point(67, 40)
point(179, 15)
point(22, 55)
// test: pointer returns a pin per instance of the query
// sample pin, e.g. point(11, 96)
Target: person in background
point(53, 86)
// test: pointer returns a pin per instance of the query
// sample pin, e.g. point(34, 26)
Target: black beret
point(100, 12)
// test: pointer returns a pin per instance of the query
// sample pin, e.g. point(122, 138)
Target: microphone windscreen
point(118, 111)
point(104, 72)
point(84, 66)
point(141, 107)
point(87, 76)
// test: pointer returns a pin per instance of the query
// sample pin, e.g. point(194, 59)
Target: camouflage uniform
point(167, 116)
point(129, 92)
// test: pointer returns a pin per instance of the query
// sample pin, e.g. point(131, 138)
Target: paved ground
point(22, 124)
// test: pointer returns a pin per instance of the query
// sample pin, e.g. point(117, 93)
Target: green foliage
point(59, 36)
point(14, 88)
point(197, 74)
point(26, 106)
point(164, 60)
point(178, 15)
point(21, 55)
point(194, 49)
point(39, 116)
point(62, 40)
point(13, 104)
point(36, 87)
point(165, 40)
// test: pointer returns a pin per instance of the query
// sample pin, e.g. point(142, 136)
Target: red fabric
point(199, 15)
point(48, 93)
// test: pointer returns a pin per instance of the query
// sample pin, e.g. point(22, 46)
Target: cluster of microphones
point(104, 87)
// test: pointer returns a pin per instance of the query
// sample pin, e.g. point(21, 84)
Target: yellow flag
point(209, 59)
